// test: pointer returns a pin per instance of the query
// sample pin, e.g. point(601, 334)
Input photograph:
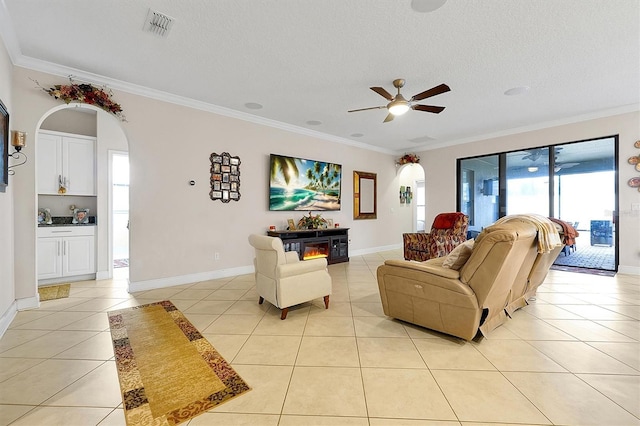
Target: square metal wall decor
point(225, 177)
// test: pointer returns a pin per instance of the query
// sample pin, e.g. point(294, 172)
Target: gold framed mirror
point(365, 195)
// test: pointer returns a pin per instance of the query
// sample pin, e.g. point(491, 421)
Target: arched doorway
point(412, 205)
point(87, 122)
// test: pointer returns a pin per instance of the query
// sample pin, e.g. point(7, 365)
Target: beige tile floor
point(572, 357)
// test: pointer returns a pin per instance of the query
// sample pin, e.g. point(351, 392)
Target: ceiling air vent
point(158, 23)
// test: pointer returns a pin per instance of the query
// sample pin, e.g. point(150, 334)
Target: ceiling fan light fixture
point(532, 169)
point(398, 106)
point(425, 6)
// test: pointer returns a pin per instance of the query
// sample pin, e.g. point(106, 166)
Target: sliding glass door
point(527, 175)
point(575, 182)
point(478, 189)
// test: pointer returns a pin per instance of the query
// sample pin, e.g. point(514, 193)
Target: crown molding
point(538, 126)
point(100, 80)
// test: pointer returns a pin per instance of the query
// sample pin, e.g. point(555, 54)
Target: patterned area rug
point(168, 372)
point(51, 292)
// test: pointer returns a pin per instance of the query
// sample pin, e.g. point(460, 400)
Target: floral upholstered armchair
point(448, 231)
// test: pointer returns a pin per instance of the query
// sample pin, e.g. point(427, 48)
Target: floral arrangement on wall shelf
point(85, 93)
point(408, 159)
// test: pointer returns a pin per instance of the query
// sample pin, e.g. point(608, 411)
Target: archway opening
point(97, 134)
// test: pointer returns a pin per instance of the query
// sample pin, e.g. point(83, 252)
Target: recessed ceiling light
point(253, 105)
point(357, 135)
point(424, 6)
point(314, 122)
point(514, 91)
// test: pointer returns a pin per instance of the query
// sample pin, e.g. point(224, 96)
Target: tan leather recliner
point(283, 279)
point(459, 302)
point(532, 274)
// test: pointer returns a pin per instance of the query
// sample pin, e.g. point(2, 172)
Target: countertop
point(67, 221)
point(53, 225)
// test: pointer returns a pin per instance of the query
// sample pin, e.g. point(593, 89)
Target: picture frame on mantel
point(4, 147)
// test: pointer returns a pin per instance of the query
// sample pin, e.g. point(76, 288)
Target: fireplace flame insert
point(314, 250)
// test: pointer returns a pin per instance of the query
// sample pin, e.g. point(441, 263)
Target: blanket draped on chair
point(570, 233)
point(548, 237)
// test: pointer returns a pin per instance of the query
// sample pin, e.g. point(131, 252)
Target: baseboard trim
point(28, 303)
point(186, 279)
point(102, 275)
point(7, 317)
point(628, 270)
point(374, 250)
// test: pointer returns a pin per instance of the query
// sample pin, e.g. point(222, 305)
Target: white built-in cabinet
point(67, 160)
point(65, 251)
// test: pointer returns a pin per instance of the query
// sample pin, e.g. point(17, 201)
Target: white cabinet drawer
point(66, 231)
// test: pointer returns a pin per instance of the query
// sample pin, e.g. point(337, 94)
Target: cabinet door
point(49, 157)
point(79, 158)
point(78, 254)
point(49, 258)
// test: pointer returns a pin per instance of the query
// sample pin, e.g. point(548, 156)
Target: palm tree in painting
point(286, 165)
point(322, 179)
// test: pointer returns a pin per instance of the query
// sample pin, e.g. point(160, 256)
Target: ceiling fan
point(398, 105)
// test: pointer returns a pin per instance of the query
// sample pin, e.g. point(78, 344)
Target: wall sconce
point(405, 194)
point(18, 141)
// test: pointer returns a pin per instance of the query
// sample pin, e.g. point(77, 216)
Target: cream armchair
point(283, 280)
point(459, 302)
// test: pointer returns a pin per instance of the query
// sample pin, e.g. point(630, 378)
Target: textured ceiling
point(311, 61)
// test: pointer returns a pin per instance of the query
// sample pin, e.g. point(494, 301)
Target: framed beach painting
point(301, 184)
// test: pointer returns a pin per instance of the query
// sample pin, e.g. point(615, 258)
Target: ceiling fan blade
point(431, 92)
point(366, 109)
point(429, 108)
point(389, 118)
point(382, 92)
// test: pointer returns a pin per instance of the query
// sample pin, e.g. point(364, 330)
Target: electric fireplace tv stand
point(332, 243)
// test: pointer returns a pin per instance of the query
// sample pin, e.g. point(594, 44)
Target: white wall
point(440, 166)
point(110, 137)
point(408, 174)
point(7, 294)
point(80, 121)
point(176, 228)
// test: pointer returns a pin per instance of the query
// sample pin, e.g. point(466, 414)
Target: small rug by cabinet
point(168, 372)
point(51, 292)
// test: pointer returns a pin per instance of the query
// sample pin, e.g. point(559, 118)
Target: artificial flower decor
point(312, 222)
point(86, 93)
point(408, 158)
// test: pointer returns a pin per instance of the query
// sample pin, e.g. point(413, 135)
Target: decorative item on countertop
point(635, 161)
point(44, 217)
point(225, 177)
point(408, 159)
point(405, 195)
point(86, 93)
point(312, 222)
point(80, 216)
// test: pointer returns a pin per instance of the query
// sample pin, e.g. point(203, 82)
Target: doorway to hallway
point(119, 196)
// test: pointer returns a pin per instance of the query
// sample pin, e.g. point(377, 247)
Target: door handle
point(64, 248)
point(58, 247)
